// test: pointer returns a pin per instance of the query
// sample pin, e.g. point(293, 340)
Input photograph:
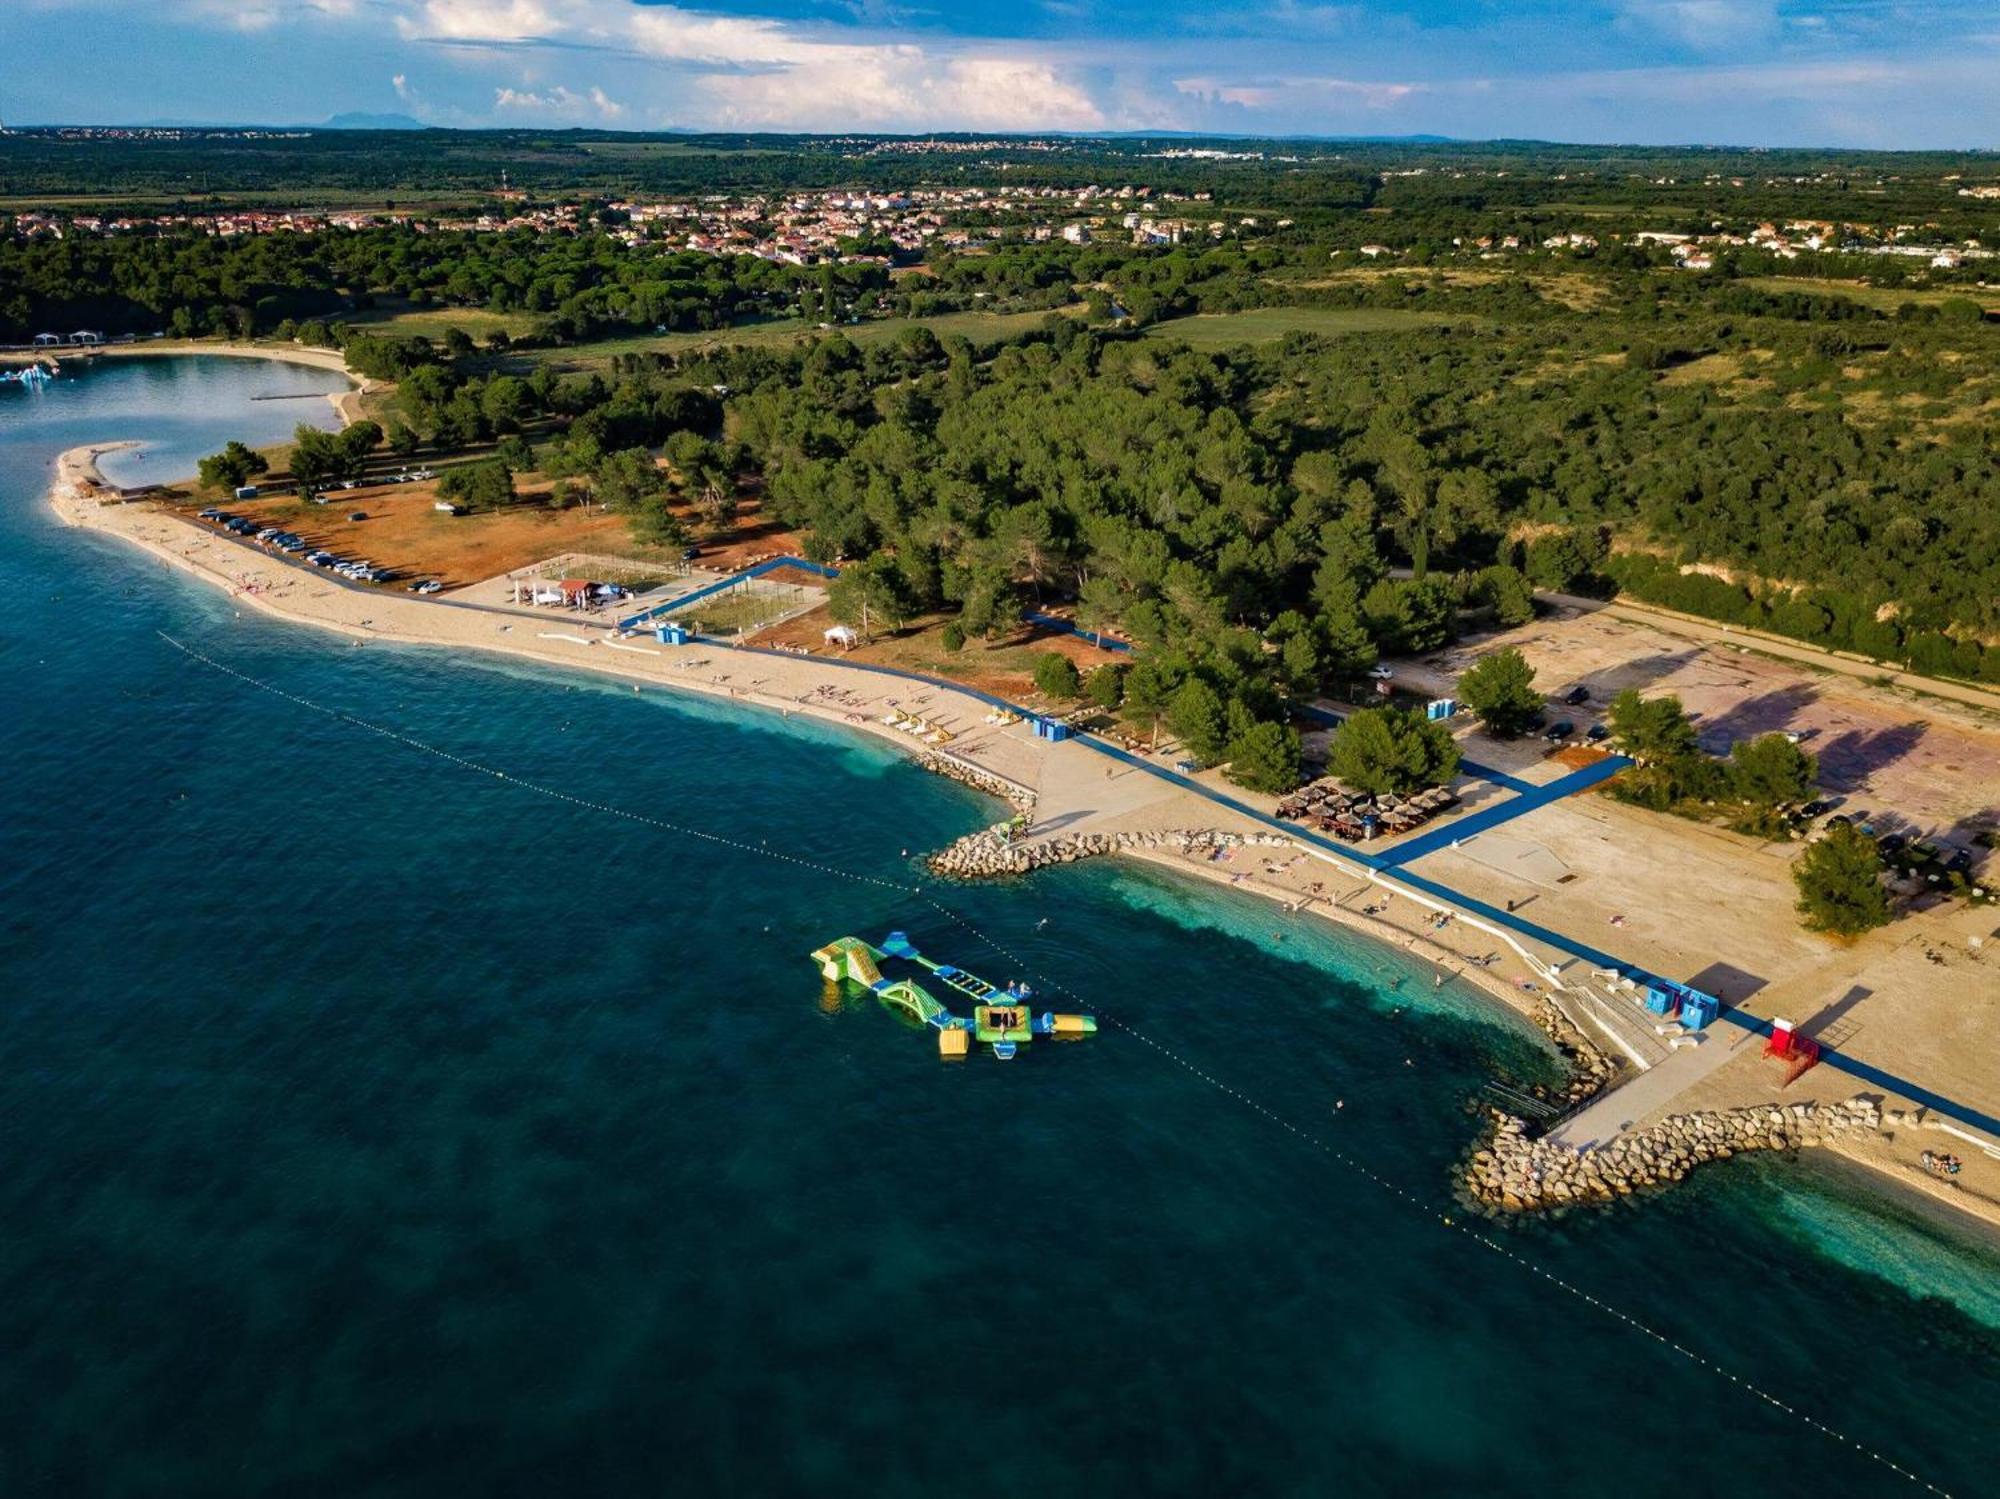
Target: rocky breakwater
point(1515, 1173)
point(966, 774)
point(1590, 1069)
point(992, 851)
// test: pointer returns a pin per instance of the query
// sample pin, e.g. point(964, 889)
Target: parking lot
point(1918, 764)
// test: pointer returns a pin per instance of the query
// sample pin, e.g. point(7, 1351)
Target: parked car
point(1560, 731)
point(1577, 696)
point(1597, 733)
point(357, 515)
point(428, 585)
point(1382, 673)
point(211, 513)
point(1959, 861)
point(1892, 844)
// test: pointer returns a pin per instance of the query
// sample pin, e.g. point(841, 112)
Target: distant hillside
point(357, 121)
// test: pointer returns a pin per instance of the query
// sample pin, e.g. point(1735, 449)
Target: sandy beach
point(1066, 779)
point(1070, 783)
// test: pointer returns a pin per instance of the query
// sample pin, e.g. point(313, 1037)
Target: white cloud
point(902, 88)
point(754, 70)
point(480, 20)
point(559, 102)
point(1705, 25)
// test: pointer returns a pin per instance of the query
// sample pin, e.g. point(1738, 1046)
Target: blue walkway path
point(1506, 811)
point(1830, 1056)
point(1071, 627)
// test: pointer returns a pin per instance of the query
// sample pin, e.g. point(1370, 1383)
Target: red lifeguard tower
point(1797, 1052)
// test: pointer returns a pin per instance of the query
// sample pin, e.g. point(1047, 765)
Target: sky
point(1873, 73)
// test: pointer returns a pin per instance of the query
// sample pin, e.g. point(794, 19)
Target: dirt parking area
point(1919, 764)
point(403, 531)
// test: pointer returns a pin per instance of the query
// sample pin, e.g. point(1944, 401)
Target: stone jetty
point(992, 852)
point(1515, 1173)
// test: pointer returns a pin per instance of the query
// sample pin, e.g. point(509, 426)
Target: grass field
point(434, 322)
point(1882, 298)
point(979, 327)
point(1262, 324)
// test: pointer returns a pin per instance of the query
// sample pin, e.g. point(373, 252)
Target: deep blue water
point(373, 1126)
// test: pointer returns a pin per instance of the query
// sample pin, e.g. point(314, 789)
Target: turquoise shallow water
point(374, 1127)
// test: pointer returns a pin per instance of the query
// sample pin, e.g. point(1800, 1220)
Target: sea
point(455, 1110)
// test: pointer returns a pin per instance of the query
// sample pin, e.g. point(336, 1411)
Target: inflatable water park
point(34, 374)
point(1002, 1018)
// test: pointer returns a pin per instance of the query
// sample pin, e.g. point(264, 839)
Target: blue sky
point(1888, 73)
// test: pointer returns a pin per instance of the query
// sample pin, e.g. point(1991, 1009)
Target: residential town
point(900, 225)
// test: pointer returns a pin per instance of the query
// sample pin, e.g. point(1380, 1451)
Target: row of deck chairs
point(1355, 817)
point(917, 724)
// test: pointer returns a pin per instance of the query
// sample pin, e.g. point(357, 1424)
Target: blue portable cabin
point(1049, 728)
point(1662, 999)
point(672, 634)
point(1438, 709)
point(1698, 1009)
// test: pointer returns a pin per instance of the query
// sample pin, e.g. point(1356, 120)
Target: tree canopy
point(1391, 750)
point(1840, 883)
point(1500, 688)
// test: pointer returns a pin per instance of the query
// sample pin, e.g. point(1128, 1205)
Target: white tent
point(843, 636)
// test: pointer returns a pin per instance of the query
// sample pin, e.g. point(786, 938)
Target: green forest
point(1263, 517)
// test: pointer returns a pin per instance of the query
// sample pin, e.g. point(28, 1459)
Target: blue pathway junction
point(1514, 806)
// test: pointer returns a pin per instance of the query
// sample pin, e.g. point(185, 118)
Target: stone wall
point(1514, 1173)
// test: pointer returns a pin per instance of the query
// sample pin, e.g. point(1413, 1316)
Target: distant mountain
point(357, 121)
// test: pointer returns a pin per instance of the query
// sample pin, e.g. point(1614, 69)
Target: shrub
point(1056, 675)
